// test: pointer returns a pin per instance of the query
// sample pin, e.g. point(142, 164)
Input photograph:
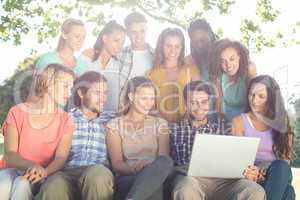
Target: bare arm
point(114, 145)
point(61, 154)
point(238, 126)
point(164, 142)
point(11, 143)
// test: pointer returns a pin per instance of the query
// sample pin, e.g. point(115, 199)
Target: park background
point(269, 28)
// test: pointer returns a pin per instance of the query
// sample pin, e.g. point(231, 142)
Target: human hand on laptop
point(252, 173)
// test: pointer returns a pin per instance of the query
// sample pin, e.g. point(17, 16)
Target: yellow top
point(170, 98)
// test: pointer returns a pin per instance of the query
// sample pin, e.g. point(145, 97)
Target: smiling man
point(137, 58)
point(86, 170)
point(196, 95)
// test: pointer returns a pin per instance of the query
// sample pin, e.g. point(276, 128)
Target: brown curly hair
point(215, 63)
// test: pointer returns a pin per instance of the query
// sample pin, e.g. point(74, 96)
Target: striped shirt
point(183, 135)
point(89, 140)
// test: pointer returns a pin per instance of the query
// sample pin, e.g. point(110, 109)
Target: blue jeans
point(147, 184)
point(278, 181)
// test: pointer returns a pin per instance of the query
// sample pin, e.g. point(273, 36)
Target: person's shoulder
point(51, 54)
point(190, 66)
point(47, 58)
point(18, 108)
point(238, 124)
point(238, 119)
point(156, 72)
point(158, 120)
point(179, 125)
point(252, 71)
point(115, 122)
point(188, 60)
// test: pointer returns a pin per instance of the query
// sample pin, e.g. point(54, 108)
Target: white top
point(142, 62)
point(114, 78)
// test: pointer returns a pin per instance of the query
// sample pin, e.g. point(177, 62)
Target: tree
point(16, 86)
point(16, 22)
point(16, 16)
point(296, 126)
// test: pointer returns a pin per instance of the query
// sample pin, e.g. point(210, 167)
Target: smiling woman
point(71, 40)
point(170, 74)
point(37, 135)
point(231, 70)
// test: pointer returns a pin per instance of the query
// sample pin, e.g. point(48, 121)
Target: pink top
point(265, 150)
point(37, 145)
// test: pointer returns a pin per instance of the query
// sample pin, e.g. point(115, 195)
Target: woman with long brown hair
point(170, 74)
point(138, 145)
point(103, 59)
point(267, 119)
point(231, 70)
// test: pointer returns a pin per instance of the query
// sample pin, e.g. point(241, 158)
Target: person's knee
point(187, 192)
point(280, 166)
point(21, 185)
point(98, 176)
point(7, 177)
point(54, 184)
point(254, 191)
point(186, 188)
point(290, 193)
point(166, 162)
point(6, 184)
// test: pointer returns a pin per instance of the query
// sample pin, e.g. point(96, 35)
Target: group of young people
point(119, 123)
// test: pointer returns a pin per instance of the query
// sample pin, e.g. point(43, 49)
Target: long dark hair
point(204, 26)
point(108, 29)
point(275, 117)
point(215, 63)
point(132, 86)
point(159, 52)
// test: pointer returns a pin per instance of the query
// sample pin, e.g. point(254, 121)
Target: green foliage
point(296, 126)
point(17, 14)
point(265, 10)
point(8, 91)
point(16, 22)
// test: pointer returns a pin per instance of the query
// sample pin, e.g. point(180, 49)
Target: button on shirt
point(183, 135)
point(89, 140)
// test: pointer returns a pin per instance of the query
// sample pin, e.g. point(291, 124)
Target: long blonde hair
point(66, 28)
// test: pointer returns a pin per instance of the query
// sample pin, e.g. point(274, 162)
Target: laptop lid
point(220, 156)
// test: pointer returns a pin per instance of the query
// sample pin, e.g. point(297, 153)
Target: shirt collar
point(148, 48)
point(79, 114)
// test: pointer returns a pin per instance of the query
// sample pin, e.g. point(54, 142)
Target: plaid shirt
point(89, 140)
point(182, 138)
point(126, 59)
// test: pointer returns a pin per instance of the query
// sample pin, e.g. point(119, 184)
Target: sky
point(281, 62)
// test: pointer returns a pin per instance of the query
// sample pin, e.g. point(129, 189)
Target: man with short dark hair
point(196, 95)
point(86, 170)
point(138, 57)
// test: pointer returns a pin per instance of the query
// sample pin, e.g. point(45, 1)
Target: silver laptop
point(220, 156)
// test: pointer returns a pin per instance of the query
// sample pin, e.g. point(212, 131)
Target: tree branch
point(157, 17)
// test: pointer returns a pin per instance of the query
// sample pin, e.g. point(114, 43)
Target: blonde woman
point(37, 135)
point(71, 40)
